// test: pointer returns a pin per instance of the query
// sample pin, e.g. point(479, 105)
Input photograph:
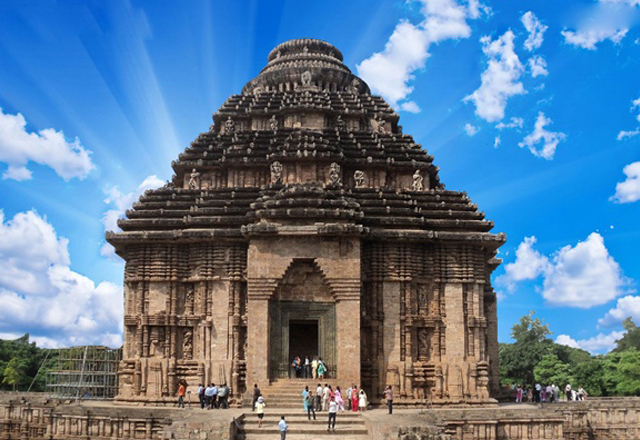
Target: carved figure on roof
point(358, 178)
point(306, 78)
point(339, 123)
point(354, 87)
point(418, 181)
point(194, 180)
point(229, 126)
point(381, 123)
point(273, 123)
point(334, 174)
point(276, 173)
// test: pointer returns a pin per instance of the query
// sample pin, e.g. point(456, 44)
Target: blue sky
point(533, 108)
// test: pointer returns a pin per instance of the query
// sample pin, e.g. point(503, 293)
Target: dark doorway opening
point(303, 339)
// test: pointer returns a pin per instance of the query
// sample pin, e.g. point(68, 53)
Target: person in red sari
point(354, 399)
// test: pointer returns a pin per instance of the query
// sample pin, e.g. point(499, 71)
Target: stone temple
point(305, 222)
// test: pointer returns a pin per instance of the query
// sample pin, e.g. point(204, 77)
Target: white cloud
point(515, 123)
point(390, 72)
point(410, 106)
point(590, 38)
point(582, 276)
point(496, 142)
point(538, 66)
point(629, 134)
point(501, 79)
point(471, 130)
point(548, 139)
point(122, 202)
point(536, 31)
point(40, 294)
point(624, 2)
point(629, 190)
point(600, 344)
point(48, 147)
point(626, 307)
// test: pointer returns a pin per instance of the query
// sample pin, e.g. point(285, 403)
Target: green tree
point(551, 370)
point(518, 360)
point(13, 374)
point(590, 375)
point(631, 338)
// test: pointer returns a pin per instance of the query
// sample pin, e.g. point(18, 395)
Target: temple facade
point(305, 222)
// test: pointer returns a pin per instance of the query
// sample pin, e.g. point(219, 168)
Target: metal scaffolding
point(86, 372)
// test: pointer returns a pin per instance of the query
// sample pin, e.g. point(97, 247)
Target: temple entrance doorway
point(303, 339)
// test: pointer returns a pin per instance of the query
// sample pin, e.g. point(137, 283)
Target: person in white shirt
point(283, 428)
point(325, 397)
point(333, 410)
point(319, 398)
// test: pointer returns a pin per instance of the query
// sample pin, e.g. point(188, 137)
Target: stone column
point(258, 292)
point(391, 329)
point(455, 337)
point(492, 338)
point(347, 294)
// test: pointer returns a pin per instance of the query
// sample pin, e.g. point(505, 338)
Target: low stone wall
point(601, 419)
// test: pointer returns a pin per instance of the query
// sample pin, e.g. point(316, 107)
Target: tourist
point(348, 397)
point(388, 394)
point(325, 397)
point(308, 403)
point(549, 391)
point(519, 394)
point(582, 394)
point(208, 395)
point(260, 410)
point(201, 395)
point(314, 367)
point(256, 395)
point(223, 396)
point(362, 400)
point(333, 409)
point(214, 397)
point(556, 392)
point(307, 368)
point(354, 399)
point(182, 390)
point(319, 397)
point(567, 391)
point(321, 369)
point(536, 393)
point(339, 399)
point(295, 365)
point(543, 394)
point(283, 428)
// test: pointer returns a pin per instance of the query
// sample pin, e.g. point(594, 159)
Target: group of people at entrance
point(211, 396)
point(313, 368)
point(328, 399)
point(550, 393)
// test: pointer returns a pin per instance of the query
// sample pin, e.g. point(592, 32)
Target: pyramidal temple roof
point(305, 145)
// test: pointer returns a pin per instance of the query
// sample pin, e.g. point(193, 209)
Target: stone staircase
point(284, 398)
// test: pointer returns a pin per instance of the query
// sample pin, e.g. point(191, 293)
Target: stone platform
point(35, 417)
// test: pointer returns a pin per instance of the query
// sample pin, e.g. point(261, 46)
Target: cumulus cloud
point(589, 39)
point(583, 276)
point(500, 80)
point(600, 344)
point(121, 202)
point(626, 307)
point(515, 123)
point(471, 130)
point(40, 294)
point(538, 66)
point(623, 2)
point(391, 71)
point(548, 140)
point(629, 190)
point(629, 134)
point(496, 142)
point(536, 31)
point(47, 147)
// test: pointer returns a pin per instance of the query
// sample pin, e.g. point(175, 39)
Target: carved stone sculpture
point(276, 173)
point(418, 180)
point(229, 126)
point(339, 123)
point(335, 174)
point(273, 123)
point(187, 344)
point(306, 78)
point(358, 178)
point(194, 180)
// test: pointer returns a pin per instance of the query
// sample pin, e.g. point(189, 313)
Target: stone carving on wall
point(194, 180)
point(334, 174)
point(306, 78)
point(418, 181)
point(423, 343)
point(229, 126)
point(187, 344)
point(276, 173)
point(382, 124)
point(358, 178)
point(339, 123)
point(354, 86)
point(273, 123)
